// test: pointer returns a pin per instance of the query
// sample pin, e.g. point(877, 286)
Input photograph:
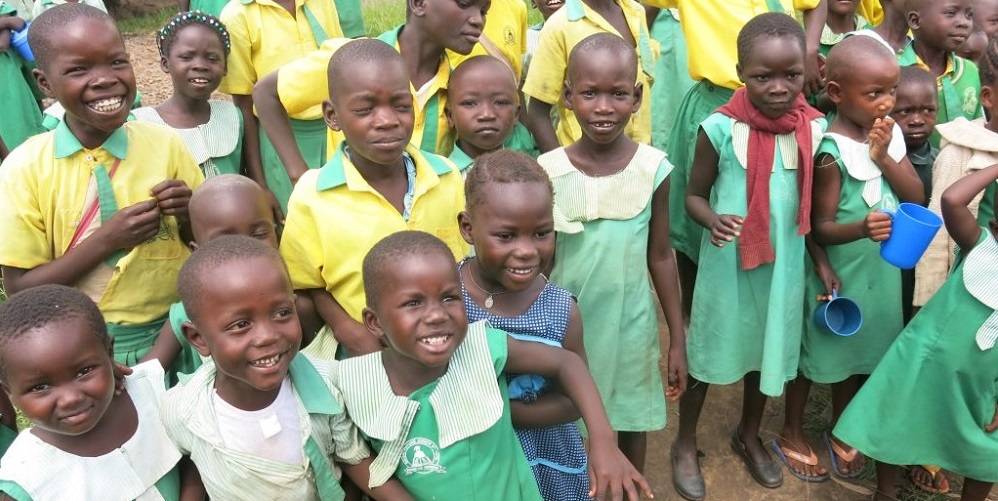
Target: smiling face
point(482, 106)
point(88, 72)
point(512, 230)
point(864, 96)
point(196, 61)
point(942, 24)
point(246, 321)
point(60, 376)
point(773, 73)
point(374, 111)
point(602, 93)
point(454, 24)
point(915, 109)
point(548, 7)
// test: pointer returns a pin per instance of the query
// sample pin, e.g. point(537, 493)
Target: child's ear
point(193, 336)
point(738, 71)
point(566, 95)
point(193, 246)
point(914, 20)
point(417, 7)
point(447, 115)
point(373, 324)
point(464, 223)
point(986, 97)
point(834, 91)
point(639, 91)
point(329, 114)
point(163, 64)
point(43, 82)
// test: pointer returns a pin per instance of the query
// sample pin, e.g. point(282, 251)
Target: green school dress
point(310, 136)
point(750, 320)
point(935, 389)
point(867, 279)
point(672, 77)
point(959, 93)
point(217, 146)
point(213, 7)
point(22, 118)
point(452, 439)
point(602, 260)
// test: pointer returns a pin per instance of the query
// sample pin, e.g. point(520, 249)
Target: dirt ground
point(727, 479)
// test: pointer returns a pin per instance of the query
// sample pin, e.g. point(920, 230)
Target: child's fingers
point(592, 482)
point(645, 488)
point(994, 422)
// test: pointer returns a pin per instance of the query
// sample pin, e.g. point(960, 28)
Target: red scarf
point(754, 247)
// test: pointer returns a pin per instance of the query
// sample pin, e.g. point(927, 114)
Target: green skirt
point(310, 135)
point(132, 342)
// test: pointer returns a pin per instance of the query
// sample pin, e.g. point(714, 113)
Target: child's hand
point(880, 137)
point(120, 370)
point(132, 225)
point(275, 206)
point(611, 473)
point(725, 228)
point(172, 196)
point(678, 373)
point(877, 226)
point(830, 279)
point(994, 422)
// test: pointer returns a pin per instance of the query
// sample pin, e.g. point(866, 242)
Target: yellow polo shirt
point(265, 37)
point(44, 185)
point(714, 26)
point(561, 32)
point(506, 29)
point(304, 84)
point(335, 217)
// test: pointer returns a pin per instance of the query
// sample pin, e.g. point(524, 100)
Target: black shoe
point(691, 487)
point(768, 473)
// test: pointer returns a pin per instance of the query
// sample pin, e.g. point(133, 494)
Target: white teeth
point(106, 105)
point(520, 271)
point(264, 362)
point(199, 80)
point(434, 340)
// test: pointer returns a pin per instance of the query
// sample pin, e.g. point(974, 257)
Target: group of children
point(357, 267)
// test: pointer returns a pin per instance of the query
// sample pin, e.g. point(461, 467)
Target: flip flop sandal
point(786, 454)
point(837, 453)
point(933, 471)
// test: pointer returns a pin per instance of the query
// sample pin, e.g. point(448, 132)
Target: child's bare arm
point(610, 471)
point(723, 227)
point(665, 277)
point(814, 24)
point(3, 150)
point(960, 222)
point(900, 175)
point(252, 159)
point(126, 229)
point(540, 125)
point(191, 486)
point(351, 333)
point(360, 474)
point(276, 123)
point(823, 267)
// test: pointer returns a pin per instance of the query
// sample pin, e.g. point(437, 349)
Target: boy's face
point(233, 212)
point(420, 312)
point(512, 230)
point(548, 7)
point(482, 107)
point(974, 46)
point(842, 7)
point(89, 74)
point(773, 73)
point(374, 111)
point(455, 24)
point(247, 322)
point(915, 111)
point(986, 17)
point(602, 94)
point(864, 96)
point(196, 62)
point(60, 376)
point(942, 24)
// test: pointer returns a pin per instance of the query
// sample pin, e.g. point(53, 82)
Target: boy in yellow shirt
point(376, 183)
point(98, 203)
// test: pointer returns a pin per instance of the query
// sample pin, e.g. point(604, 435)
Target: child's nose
point(69, 398)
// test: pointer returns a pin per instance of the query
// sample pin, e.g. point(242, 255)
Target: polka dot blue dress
point(556, 453)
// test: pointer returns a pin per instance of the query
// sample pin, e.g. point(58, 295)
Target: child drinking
point(259, 420)
point(861, 172)
point(942, 367)
point(482, 108)
point(614, 193)
point(97, 203)
point(375, 184)
point(510, 223)
point(434, 402)
point(89, 440)
point(750, 188)
point(193, 47)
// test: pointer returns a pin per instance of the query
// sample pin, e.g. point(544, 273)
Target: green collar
point(312, 390)
point(391, 37)
point(67, 144)
point(333, 174)
point(575, 10)
point(460, 158)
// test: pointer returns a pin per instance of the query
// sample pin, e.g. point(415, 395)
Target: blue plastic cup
point(840, 316)
point(912, 229)
point(19, 40)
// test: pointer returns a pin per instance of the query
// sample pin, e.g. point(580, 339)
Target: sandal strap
point(811, 460)
point(845, 455)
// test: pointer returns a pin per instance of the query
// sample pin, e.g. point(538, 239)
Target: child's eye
point(403, 108)
point(238, 325)
point(794, 76)
point(619, 94)
point(412, 303)
point(361, 111)
point(761, 78)
point(543, 234)
point(86, 370)
point(588, 93)
point(38, 388)
point(468, 103)
point(504, 102)
point(504, 236)
point(284, 313)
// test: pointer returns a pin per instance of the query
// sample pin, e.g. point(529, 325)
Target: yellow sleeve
point(304, 83)
point(546, 78)
point(300, 244)
point(183, 164)
point(661, 4)
point(25, 242)
point(240, 74)
point(805, 4)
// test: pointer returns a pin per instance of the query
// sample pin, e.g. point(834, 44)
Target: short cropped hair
point(362, 50)
point(847, 56)
point(48, 24)
point(504, 167)
point(393, 248)
point(914, 75)
point(37, 307)
point(484, 60)
point(218, 252)
point(772, 25)
point(601, 42)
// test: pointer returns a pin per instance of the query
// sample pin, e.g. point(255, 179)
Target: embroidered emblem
point(422, 456)
point(508, 37)
point(970, 101)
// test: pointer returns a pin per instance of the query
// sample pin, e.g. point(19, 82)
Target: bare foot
point(850, 460)
point(801, 459)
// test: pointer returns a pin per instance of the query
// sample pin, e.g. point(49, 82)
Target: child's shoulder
point(35, 150)
point(971, 134)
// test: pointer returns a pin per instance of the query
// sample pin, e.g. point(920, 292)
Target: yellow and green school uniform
point(51, 184)
point(22, 119)
point(217, 145)
point(672, 78)
point(504, 36)
point(561, 32)
point(959, 92)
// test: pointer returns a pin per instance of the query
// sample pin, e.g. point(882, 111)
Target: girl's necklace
point(488, 299)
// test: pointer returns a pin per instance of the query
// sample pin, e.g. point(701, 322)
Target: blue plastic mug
point(19, 40)
point(912, 228)
point(840, 316)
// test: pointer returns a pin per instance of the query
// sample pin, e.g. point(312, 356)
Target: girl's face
point(195, 61)
point(63, 387)
point(548, 7)
point(773, 73)
point(512, 229)
point(864, 96)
